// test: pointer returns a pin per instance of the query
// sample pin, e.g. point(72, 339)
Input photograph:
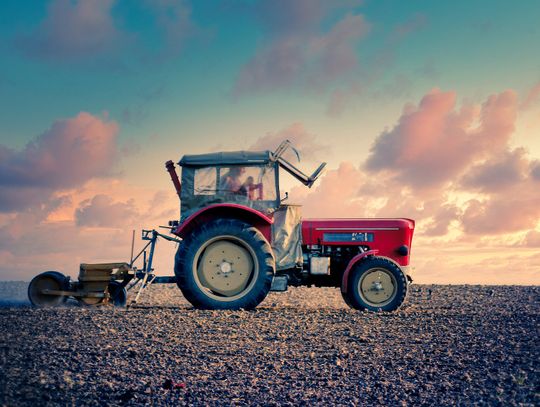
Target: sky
point(425, 110)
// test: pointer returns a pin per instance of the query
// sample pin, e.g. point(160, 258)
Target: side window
point(205, 181)
point(253, 183)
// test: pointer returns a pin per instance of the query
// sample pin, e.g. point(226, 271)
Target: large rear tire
point(225, 264)
point(49, 280)
point(376, 284)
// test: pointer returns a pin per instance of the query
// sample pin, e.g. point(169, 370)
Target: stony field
point(449, 345)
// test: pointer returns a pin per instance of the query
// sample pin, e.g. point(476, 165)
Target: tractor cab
point(246, 178)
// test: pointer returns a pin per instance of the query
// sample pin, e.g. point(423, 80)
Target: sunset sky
point(423, 109)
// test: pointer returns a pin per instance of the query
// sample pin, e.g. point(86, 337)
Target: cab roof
point(226, 158)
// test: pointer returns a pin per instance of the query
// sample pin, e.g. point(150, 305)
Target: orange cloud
point(67, 155)
point(433, 143)
point(436, 151)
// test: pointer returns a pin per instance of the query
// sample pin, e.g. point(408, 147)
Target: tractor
point(239, 240)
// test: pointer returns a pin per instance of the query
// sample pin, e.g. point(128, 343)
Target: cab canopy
point(227, 158)
point(249, 178)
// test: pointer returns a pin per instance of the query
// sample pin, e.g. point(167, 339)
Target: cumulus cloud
point(440, 222)
point(93, 228)
point(433, 143)
point(102, 211)
point(335, 194)
point(73, 29)
point(532, 239)
point(499, 173)
point(535, 170)
point(173, 20)
point(297, 51)
point(342, 98)
point(70, 153)
point(306, 143)
point(451, 168)
point(502, 214)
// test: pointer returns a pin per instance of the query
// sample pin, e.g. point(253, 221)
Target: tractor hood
point(227, 158)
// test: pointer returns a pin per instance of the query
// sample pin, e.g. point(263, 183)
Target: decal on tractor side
point(348, 237)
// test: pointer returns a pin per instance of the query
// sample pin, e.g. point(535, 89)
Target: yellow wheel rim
point(377, 287)
point(225, 268)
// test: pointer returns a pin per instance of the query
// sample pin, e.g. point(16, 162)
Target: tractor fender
point(356, 259)
point(227, 210)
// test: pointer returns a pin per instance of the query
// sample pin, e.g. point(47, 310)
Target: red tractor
point(239, 241)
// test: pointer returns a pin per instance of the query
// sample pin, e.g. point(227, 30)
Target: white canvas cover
point(287, 237)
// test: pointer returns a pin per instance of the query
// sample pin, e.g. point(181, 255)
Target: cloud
point(72, 30)
point(499, 173)
point(440, 222)
point(342, 98)
point(532, 239)
point(535, 170)
point(297, 51)
point(433, 143)
point(284, 17)
point(305, 142)
point(334, 195)
point(417, 22)
point(67, 155)
point(451, 168)
point(84, 225)
point(498, 215)
point(533, 96)
point(173, 20)
point(337, 48)
point(102, 211)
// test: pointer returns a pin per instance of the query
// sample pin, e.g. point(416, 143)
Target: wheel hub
point(225, 268)
point(377, 286)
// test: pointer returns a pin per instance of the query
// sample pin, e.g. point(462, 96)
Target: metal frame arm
point(299, 175)
point(277, 156)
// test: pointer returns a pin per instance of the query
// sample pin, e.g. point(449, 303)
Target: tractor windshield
point(251, 185)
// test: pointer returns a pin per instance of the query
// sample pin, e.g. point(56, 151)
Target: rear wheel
point(49, 280)
point(376, 284)
point(225, 264)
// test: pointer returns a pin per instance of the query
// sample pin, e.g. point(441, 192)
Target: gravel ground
point(449, 345)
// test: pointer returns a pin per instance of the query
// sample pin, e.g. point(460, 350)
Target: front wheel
point(225, 264)
point(376, 284)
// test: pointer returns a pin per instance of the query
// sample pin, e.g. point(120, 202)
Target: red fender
point(352, 263)
point(227, 210)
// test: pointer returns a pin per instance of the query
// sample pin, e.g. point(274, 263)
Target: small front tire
point(376, 284)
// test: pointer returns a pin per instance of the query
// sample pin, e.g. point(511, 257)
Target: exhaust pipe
point(174, 177)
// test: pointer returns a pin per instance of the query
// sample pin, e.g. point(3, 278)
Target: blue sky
point(474, 48)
